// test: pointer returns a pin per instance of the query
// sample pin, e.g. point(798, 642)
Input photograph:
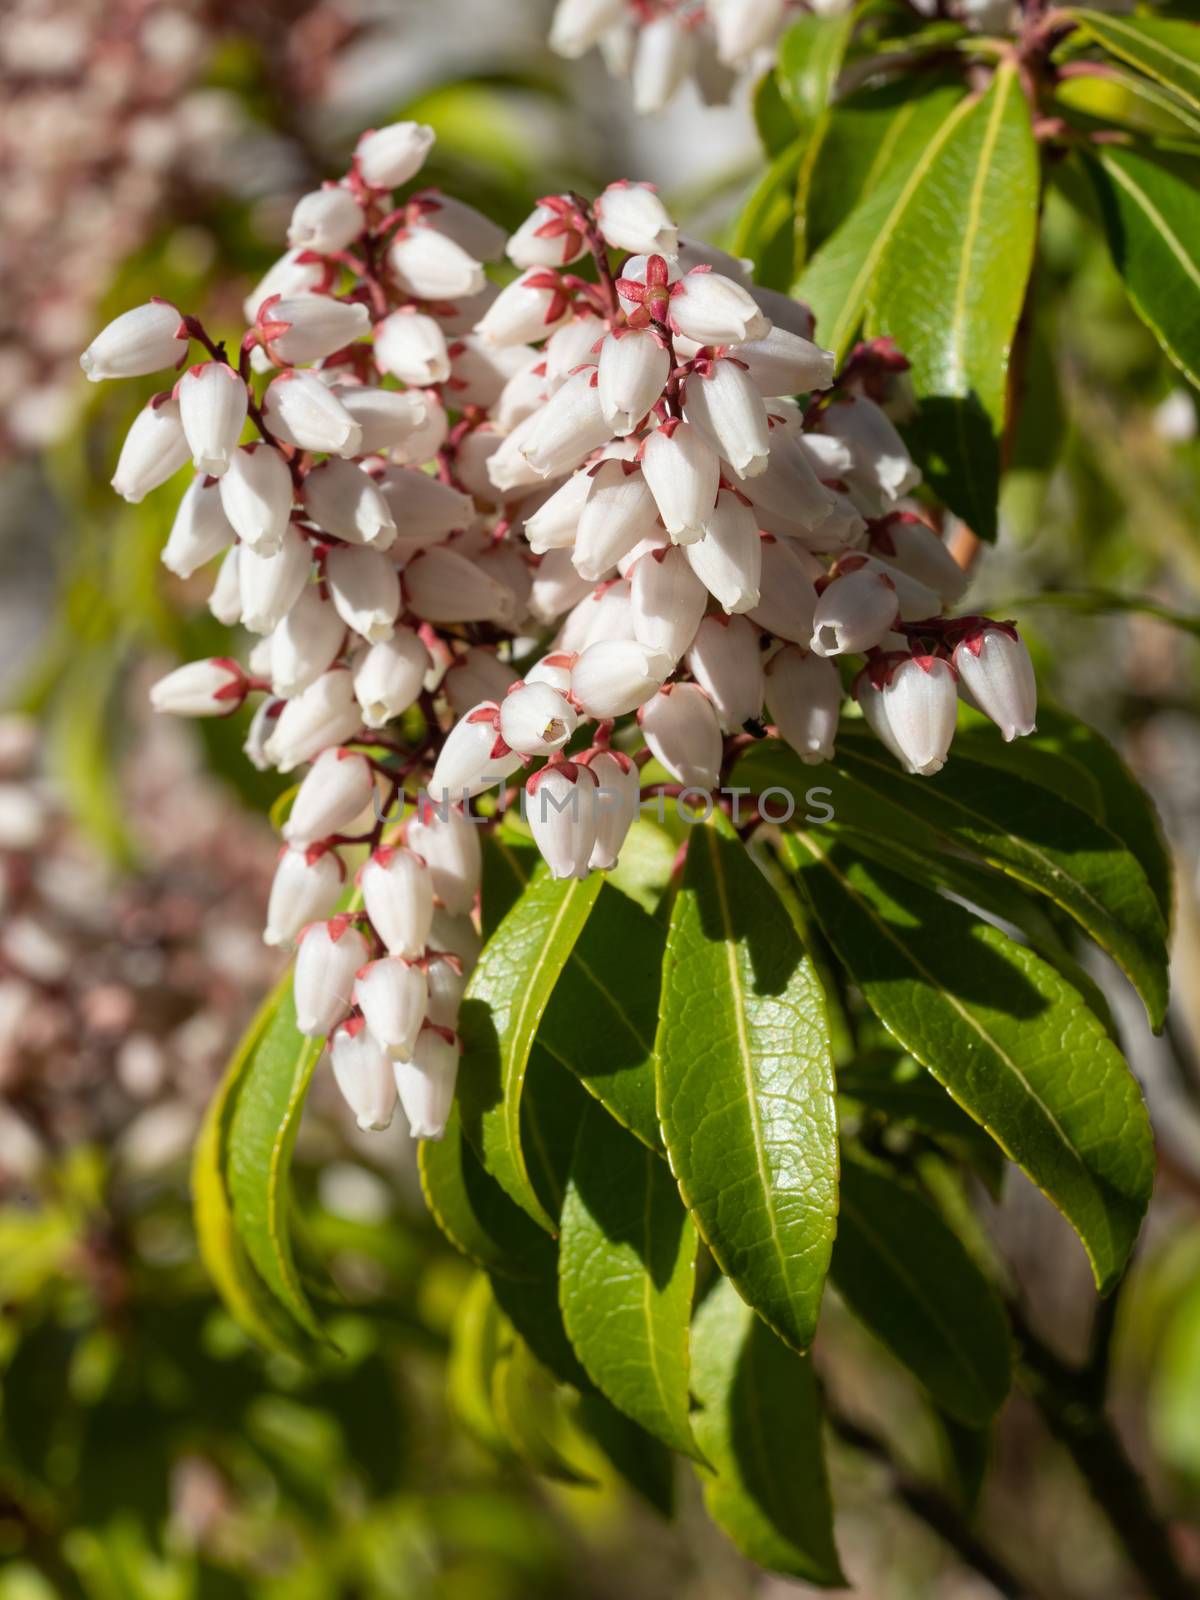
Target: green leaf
point(501, 1011)
point(532, 1415)
point(759, 1424)
point(476, 1341)
point(810, 58)
point(950, 288)
point(908, 1278)
point(626, 1274)
point(1151, 208)
point(1047, 845)
point(553, 1104)
point(772, 118)
point(601, 1017)
point(835, 282)
point(1168, 51)
point(1003, 1032)
point(745, 1085)
point(509, 861)
point(907, 1095)
point(532, 1308)
point(474, 1212)
point(262, 1136)
point(766, 226)
point(643, 1462)
point(245, 1295)
point(1129, 100)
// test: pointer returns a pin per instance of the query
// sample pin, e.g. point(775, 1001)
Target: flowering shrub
point(524, 552)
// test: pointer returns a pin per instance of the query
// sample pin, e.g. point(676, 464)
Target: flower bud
point(304, 643)
point(668, 600)
point(619, 512)
point(333, 794)
point(681, 729)
point(387, 421)
point(548, 237)
point(341, 498)
point(994, 667)
point(572, 344)
point(271, 585)
point(525, 310)
point(308, 327)
point(921, 700)
point(147, 339)
point(787, 598)
point(605, 613)
point(578, 25)
point(666, 49)
point(683, 473)
point(874, 709)
point(633, 373)
point(567, 428)
point(225, 601)
point(323, 714)
point(631, 217)
point(553, 526)
point(443, 586)
point(449, 843)
point(804, 697)
point(393, 997)
point(728, 560)
point(744, 26)
point(287, 276)
point(473, 758)
point(614, 676)
point(154, 450)
point(306, 887)
point(560, 807)
point(725, 659)
point(854, 613)
point(507, 469)
point(213, 688)
point(728, 411)
point(388, 678)
point(783, 363)
point(200, 531)
point(910, 546)
point(327, 220)
point(474, 676)
point(525, 391)
point(424, 510)
point(713, 309)
point(256, 496)
point(789, 497)
point(363, 1073)
point(470, 229)
point(365, 588)
point(262, 725)
point(553, 669)
point(536, 720)
point(882, 468)
point(328, 956)
point(447, 984)
point(302, 411)
point(618, 797)
point(397, 891)
point(426, 1083)
point(388, 157)
point(412, 347)
point(429, 266)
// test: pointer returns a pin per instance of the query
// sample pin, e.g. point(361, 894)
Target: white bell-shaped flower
point(804, 697)
point(727, 409)
point(631, 217)
point(397, 891)
point(321, 715)
point(787, 597)
point(271, 585)
point(200, 531)
point(682, 731)
point(147, 339)
point(713, 309)
point(288, 276)
point(225, 601)
point(365, 589)
point(557, 586)
point(561, 810)
point(326, 220)
point(212, 408)
point(429, 266)
point(389, 676)
point(634, 369)
point(363, 1073)
point(301, 328)
point(346, 501)
point(474, 232)
point(619, 513)
point(426, 1083)
point(449, 842)
point(994, 667)
point(302, 411)
point(668, 600)
point(305, 643)
point(256, 494)
point(474, 676)
point(783, 363)
point(605, 613)
point(154, 450)
point(525, 310)
point(728, 560)
point(536, 720)
point(307, 885)
point(393, 997)
point(568, 427)
point(455, 936)
point(328, 956)
point(663, 57)
point(334, 793)
point(388, 421)
point(547, 238)
point(213, 688)
point(473, 758)
point(412, 347)
point(911, 546)
point(725, 658)
point(744, 26)
point(853, 613)
point(555, 523)
point(388, 157)
point(614, 676)
point(447, 984)
point(577, 25)
point(921, 700)
point(442, 586)
point(424, 509)
point(683, 472)
point(572, 344)
point(618, 794)
point(882, 468)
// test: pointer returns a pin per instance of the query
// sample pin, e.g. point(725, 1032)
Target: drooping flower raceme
point(513, 543)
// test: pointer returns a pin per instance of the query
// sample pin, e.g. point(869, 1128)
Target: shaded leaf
point(809, 59)
point(745, 1085)
point(626, 1273)
point(759, 1424)
point(644, 1462)
point(1165, 50)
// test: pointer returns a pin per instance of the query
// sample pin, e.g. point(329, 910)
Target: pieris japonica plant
point(581, 563)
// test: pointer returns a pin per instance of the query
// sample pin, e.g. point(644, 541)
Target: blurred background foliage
point(146, 1451)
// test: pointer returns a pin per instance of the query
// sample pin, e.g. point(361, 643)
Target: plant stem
point(1065, 1396)
point(939, 1513)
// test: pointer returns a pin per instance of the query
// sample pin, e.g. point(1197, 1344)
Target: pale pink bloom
point(728, 560)
point(994, 667)
point(321, 715)
point(426, 1083)
point(450, 844)
point(199, 532)
point(787, 599)
point(727, 409)
point(442, 586)
point(412, 347)
point(921, 699)
point(725, 658)
point(305, 643)
point(388, 678)
point(632, 217)
point(211, 688)
point(302, 411)
point(668, 600)
point(682, 731)
point(346, 501)
point(683, 472)
point(804, 696)
point(256, 495)
point(633, 373)
point(473, 758)
point(393, 997)
point(560, 807)
point(271, 585)
point(613, 676)
point(388, 157)
point(536, 720)
point(619, 513)
point(301, 328)
point(618, 791)
point(147, 339)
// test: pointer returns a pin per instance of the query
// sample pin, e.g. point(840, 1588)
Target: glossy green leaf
point(810, 57)
point(474, 1212)
point(1044, 843)
point(774, 121)
point(626, 1274)
point(950, 288)
point(224, 1256)
point(600, 1020)
point(1008, 1037)
point(765, 230)
point(262, 1136)
point(1128, 100)
point(907, 1277)
point(509, 861)
point(759, 1425)
point(1150, 202)
point(745, 1085)
point(553, 1104)
point(835, 282)
point(1165, 50)
point(501, 1011)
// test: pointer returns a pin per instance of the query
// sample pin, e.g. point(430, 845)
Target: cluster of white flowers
point(608, 480)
